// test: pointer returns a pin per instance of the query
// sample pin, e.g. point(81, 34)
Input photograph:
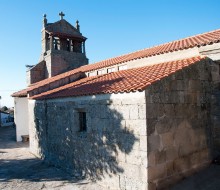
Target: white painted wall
point(166, 57)
point(212, 51)
point(152, 60)
point(21, 117)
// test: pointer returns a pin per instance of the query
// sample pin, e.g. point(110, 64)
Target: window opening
point(82, 121)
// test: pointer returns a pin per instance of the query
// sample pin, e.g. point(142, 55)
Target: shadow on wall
point(92, 153)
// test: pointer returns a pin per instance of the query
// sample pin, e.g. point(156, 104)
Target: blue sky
point(113, 27)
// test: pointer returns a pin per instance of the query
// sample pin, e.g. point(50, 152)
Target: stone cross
point(45, 20)
point(77, 25)
point(61, 15)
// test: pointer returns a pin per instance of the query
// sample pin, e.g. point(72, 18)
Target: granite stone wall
point(113, 150)
point(146, 140)
point(54, 63)
point(35, 74)
point(62, 61)
point(179, 126)
point(215, 109)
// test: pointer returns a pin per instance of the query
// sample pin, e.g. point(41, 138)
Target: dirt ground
point(20, 170)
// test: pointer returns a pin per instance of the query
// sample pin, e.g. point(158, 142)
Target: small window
point(110, 70)
point(122, 67)
point(100, 72)
point(82, 121)
point(92, 74)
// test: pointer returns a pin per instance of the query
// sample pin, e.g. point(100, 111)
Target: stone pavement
point(20, 170)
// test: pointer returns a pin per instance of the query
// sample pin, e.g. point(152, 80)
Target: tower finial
point(61, 15)
point(45, 20)
point(77, 25)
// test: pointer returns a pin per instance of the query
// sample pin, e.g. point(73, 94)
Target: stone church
point(143, 120)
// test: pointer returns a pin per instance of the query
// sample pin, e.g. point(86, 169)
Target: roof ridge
point(197, 40)
point(131, 80)
point(158, 45)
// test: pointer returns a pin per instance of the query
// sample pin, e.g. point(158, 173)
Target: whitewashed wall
point(21, 117)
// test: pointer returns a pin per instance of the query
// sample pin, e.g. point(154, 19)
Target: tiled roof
point(131, 80)
point(190, 42)
point(21, 93)
point(65, 35)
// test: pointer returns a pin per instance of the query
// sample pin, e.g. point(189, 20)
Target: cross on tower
point(61, 15)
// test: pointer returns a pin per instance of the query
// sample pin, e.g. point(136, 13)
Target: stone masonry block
point(138, 127)
point(120, 155)
point(152, 186)
point(182, 164)
point(131, 170)
point(153, 143)
point(154, 110)
point(151, 126)
point(130, 183)
point(133, 157)
point(170, 168)
point(133, 112)
point(144, 158)
point(143, 143)
point(151, 159)
point(163, 125)
point(103, 111)
point(155, 98)
point(167, 139)
point(195, 159)
point(157, 172)
point(169, 110)
point(181, 97)
point(110, 182)
point(135, 101)
point(180, 85)
point(160, 157)
point(194, 85)
point(171, 153)
point(190, 97)
point(185, 150)
point(143, 173)
point(205, 155)
point(142, 111)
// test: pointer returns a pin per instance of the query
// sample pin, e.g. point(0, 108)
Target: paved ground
point(20, 170)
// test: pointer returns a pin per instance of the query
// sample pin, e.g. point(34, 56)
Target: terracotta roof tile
point(21, 93)
point(64, 35)
point(190, 42)
point(131, 80)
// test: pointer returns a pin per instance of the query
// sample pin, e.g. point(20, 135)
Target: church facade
point(143, 120)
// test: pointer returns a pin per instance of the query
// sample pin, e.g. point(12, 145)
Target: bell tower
point(63, 49)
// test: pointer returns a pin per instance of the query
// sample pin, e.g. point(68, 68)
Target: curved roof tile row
point(190, 42)
point(130, 80)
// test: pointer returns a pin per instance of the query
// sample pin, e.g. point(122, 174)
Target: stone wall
point(55, 62)
point(35, 74)
point(178, 125)
point(147, 140)
point(215, 109)
point(62, 61)
point(113, 150)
